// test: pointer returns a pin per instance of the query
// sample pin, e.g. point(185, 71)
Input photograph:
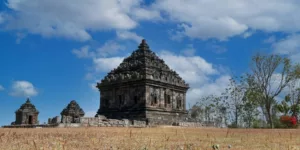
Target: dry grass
point(147, 138)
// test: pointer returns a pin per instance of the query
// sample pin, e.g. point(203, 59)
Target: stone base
point(165, 117)
point(131, 115)
point(151, 116)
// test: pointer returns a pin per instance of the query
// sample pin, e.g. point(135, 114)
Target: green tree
point(234, 96)
point(261, 79)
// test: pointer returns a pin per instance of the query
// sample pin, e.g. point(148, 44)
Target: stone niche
point(143, 88)
point(27, 114)
point(72, 113)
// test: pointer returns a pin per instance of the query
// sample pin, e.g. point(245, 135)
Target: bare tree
point(264, 69)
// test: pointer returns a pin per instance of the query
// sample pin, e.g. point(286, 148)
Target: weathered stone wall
point(129, 114)
point(191, 124)
point(165, 117)
point(54, 120)
point(102, 122)
point(162, 97)
point(122, 98)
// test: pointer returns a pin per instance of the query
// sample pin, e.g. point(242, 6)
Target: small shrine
point(26, 114)
point(72, 113)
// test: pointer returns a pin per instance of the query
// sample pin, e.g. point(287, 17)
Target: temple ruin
point(72, 113)
point(26, 114)
point(144, 88)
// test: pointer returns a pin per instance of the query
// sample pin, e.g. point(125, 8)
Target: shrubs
point(289, 121)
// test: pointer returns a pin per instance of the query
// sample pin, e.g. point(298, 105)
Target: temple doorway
point(30, 120)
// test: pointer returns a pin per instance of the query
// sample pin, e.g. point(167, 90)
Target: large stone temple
point(144, 88)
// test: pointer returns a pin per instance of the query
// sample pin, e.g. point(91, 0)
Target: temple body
point(143, 87)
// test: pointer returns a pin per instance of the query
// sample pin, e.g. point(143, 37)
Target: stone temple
point(26, 114)
point(143, 88)
point(72, 113)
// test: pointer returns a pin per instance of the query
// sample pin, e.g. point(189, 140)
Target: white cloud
point(222, 19)
point(189, 51)
point(289, 46)
point(126, 35)
point(73, 19)
point(83, 52)
point(203, 77)
point(1, 88)
point(194, 69)
point(216, 87)
point(109, 48)
point(106, 64)
point(247, 34)
point(93, 85)
point(23, 89)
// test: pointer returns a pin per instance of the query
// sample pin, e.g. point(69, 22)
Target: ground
point(147, 138)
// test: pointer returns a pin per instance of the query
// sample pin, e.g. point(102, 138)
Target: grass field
point(147, 138)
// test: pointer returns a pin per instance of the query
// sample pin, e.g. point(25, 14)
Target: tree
point(294, 97)
point(249, 113)
point(210, 109)
point(234, 96)
point(265, 70)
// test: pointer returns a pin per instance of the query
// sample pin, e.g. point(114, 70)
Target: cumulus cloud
point(189, 51)
point(106, 64)
point(289, 46)
point(204, 77)
point(1, 88)
point(215, 87)
point(73, 19)
point(194, 69)
point(222, 19)
point(109, 48)
point(23, 89)
point(127, 35)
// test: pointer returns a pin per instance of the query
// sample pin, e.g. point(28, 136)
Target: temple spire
point(27, 100)
point(143, 45)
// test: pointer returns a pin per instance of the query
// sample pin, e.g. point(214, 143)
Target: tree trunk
point(269, 116)
point(236, 117)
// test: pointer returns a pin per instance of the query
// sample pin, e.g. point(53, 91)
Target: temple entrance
point(30, 120)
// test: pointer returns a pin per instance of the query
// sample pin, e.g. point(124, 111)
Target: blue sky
point(55, 51)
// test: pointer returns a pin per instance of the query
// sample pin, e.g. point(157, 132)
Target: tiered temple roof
point(73, 109)
point(143, 64)
point(28, 107)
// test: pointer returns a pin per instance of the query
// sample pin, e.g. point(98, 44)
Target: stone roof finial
point(27, 100)
point(144, 45)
